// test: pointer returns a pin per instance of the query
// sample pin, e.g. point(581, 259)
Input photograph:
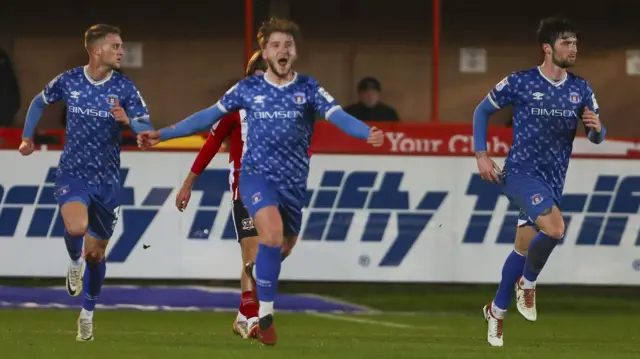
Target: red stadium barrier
point(401, 139)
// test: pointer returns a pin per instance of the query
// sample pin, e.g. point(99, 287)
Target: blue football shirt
point(280, 125)
point(546, 116)
point(92, 147)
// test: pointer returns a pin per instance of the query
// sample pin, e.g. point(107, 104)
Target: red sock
point(248, 305)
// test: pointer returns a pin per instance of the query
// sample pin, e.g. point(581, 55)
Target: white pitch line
point(73, 332)
point(362, 320)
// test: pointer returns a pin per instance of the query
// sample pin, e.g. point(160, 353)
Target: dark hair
point(274, 25)
point(255, 63)
point(99, 32)
point(369, 83)
point(552, 28)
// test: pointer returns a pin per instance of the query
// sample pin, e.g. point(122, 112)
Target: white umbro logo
point(538, 95)
point(75, 94)
point(259, 99)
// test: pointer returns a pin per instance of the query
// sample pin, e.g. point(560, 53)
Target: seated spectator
point(369, 107)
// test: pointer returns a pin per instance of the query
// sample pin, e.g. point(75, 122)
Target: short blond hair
point(98, 32)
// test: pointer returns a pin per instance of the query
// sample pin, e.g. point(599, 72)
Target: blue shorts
point(258, 192)
point(524, 221)
point(102, 202)
point(530, 194)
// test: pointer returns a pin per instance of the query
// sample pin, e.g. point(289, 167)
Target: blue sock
point(540, 249)
point(74, 246)
point(92, 283)
point(268, 261)
point(511, 271)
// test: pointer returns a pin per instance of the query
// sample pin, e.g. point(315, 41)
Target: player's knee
point(272, 239)
point(94, 255)
point(74, 215)
point(94, 249)
point(551, 223)
point(76, 228)
point(556, 232)
point(272, 236)
point(554, 229)
point(268, 222)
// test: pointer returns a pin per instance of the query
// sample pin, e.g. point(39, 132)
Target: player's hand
point(148, 139)
point(183, 197)
point(119, 114)
point(591, 120)
point(489, 170)
point(26, 147)
point(376, 137)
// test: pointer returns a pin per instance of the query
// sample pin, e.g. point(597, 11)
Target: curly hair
point(274, 25)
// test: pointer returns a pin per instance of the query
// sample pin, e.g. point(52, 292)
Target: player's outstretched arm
point(355, 128)
point(198, 122)
point(349, 124)
point(323, 102)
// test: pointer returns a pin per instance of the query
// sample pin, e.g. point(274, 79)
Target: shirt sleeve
point(134, 105)
point(54, 90)
point(590, 100)
point(233, 98)
point(322, 101)
point(505, 93)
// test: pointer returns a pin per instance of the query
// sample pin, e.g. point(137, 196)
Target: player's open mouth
point(282, 62)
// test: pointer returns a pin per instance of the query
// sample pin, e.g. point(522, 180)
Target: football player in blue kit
point(280, 107)
point(549, 105)
point(100, 102)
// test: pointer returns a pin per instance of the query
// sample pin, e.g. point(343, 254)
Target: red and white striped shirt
point(234, 127)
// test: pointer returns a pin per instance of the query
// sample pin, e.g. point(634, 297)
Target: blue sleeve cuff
point(481, 124)
point(33, 116)
point(349, 124)
point(198, 122)
point(597, 137)
point(138, 126)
